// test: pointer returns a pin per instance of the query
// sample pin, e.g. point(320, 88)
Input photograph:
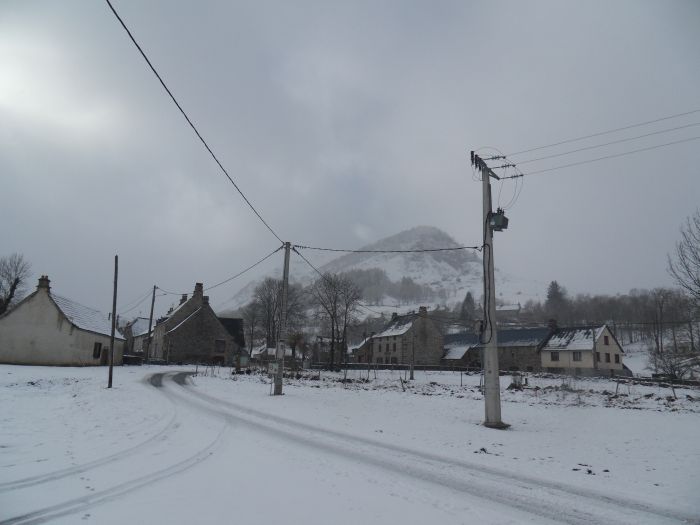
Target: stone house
point(591, 350)
point(49, 329)
point(192, 333)
point(518, 349)
point(413, 337)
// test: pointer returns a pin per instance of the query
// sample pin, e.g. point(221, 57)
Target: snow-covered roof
point(398, 326)
point(261, 351)
point(84, 317)
point(353, 348)
point(574, 338)
point(139, 326)
point(508, 308)
point(456, 352)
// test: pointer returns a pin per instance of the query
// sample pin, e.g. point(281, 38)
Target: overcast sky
point(343, 122)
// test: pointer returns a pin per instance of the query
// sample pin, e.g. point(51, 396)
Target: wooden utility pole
point(147, 350)
point(489, 337)
point(282, 340)
point(114, 321)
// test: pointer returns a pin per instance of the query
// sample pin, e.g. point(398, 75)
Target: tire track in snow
point(532, 495)
point(79, 504)
point(153, 380)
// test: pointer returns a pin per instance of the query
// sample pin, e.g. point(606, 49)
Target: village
point(49, 329)
point(401, 262)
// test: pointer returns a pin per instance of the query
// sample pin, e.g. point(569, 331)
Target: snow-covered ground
point(160, 447)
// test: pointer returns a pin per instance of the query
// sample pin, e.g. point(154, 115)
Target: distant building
point(508, 313)
point(411, 338)
point(49, 329)
point(518, 349)
point(136, 333)
point(586, 351)
point(192, 333)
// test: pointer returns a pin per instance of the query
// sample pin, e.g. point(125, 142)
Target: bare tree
point(337, 298)
point(268, 298)
point(350, 296)
point(14, 272)
point(326, 295)
point(251, 319)
point(684, 267)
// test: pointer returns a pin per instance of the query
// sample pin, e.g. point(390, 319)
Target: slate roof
point(270, 352)
point(574, 338)
point(507, 337)
point(84, 317)
point(234, 326)
point(398, 326)
point(456, 352)
point(355, 347)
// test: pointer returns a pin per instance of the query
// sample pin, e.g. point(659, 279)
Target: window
point(554, 356)
point(394, 348)
point(606, 340)
point(97, 350)
point(617, 359)
point(607, 357)
point(394, 361)
point(577, 356)
point(379, 360)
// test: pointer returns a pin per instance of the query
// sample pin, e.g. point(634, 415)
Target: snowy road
point(210, 459)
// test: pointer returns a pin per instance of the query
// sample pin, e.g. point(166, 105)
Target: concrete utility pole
point(147, 350)
point(489, 336)
point(282, 341)
point(114, 321)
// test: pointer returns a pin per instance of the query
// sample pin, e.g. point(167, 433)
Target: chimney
point(552, 325)
point(198, 290)
point(44, 283)
point(205, 299)
point(423, 311)
point(183, 298)
point(394, 315)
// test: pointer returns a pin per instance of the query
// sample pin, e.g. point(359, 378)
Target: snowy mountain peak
point(418, 238)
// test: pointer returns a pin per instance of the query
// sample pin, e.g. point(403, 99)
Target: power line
point(608, 143)
point(246, 270)
point(361, 305)
point(478, 248)
point(613, 156)
point(141, 302)
point(204, 142)
point(140, 299)
point(605, 132)
point(229, 278)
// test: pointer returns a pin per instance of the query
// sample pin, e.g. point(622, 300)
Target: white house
point(590, 350)
point(48, 329)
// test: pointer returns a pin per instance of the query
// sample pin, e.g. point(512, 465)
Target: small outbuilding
point(48, 329)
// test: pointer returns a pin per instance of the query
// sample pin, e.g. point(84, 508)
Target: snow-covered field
point(161, 447)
